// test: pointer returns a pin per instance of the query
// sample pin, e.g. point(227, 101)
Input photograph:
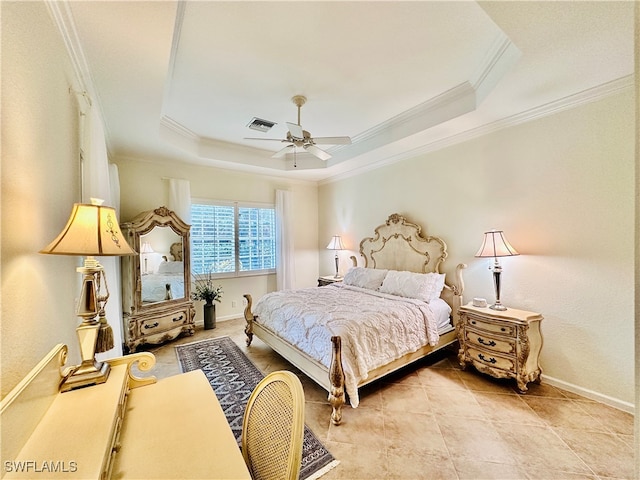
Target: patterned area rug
point(233, 377)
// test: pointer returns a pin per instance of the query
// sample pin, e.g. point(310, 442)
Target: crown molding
point(83, 85)
point(502, 55)
point(63, 18)
point(570, 101)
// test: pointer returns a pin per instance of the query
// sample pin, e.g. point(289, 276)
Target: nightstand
point(328, 280)
point(503, 344)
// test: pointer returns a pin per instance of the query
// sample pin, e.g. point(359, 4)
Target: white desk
point(191, 439)
point(128, 427)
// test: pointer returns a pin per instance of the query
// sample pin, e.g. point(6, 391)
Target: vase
point(209, 316)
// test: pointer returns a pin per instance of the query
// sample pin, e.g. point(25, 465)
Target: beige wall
point(40, 183)
point(562, 188)
point(143, 186)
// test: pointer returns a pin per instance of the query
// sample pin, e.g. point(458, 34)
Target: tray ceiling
point(180, 81)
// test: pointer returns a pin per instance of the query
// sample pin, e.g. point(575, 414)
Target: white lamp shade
point(335, 243)
point(146, 248)
point(496, 245)
point(90, 230)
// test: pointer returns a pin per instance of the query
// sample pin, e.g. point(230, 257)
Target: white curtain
point(114, 183)
point(180, 198)
point(285, 266)
point(100, 180)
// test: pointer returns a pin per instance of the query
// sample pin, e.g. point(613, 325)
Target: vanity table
point(156, 284)
point(129, 427)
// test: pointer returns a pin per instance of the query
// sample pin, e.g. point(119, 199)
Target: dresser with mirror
point(156, 287)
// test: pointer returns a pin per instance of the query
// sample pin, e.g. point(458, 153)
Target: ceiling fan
point(297, 137)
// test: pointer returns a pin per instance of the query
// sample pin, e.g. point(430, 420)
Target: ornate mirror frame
point(141, 225)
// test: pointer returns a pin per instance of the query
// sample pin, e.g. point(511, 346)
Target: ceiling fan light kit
point(297, 137)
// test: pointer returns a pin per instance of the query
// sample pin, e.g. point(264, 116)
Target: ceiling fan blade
point(283, 152)
point(295, 130)
point(313, 150)
point(332, 140)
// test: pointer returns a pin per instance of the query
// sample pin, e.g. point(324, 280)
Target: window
point(232, 239)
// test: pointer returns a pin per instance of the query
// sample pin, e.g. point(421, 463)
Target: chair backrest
point(273, 428)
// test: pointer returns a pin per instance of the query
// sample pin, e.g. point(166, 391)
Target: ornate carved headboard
point(400, 245)
point(176, 251)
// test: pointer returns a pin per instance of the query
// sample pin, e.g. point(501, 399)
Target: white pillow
point(171, 268)
point(421, 286)
point(438, 284)
point(370, 278)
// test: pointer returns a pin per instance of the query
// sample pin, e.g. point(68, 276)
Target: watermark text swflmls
point(41, 466)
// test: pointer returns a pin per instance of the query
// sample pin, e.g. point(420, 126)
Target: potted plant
point(204, 290)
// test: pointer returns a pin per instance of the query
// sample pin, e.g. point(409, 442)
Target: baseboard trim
point(590, 394)
point(219, 318)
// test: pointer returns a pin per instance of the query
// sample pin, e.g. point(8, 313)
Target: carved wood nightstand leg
point(522, 386)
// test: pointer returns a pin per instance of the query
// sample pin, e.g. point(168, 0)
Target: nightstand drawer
point(491, 359)
point(493, 327)
point(493, 343)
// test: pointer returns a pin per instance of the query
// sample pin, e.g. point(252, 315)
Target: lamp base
point(90, 371)
point(498, 306)
point(85, 375)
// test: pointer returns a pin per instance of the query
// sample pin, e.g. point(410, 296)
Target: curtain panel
point(285, 264)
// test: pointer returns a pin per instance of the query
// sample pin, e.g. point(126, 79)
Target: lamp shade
point(146, 248)
point(90, 230)
point(496, 245)
point(335, 243)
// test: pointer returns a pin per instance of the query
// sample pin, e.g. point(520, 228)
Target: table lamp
point(92, 229)
point(336, 244)
point(496, 245)
point(145, 250)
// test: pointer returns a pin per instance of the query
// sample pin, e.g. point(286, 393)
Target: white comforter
point(375, 328)
point(154, 286)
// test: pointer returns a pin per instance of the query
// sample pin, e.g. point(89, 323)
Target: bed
point(384, 315)
point(166, 282)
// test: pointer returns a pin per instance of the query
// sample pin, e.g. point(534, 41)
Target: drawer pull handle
point(490, 343)
point(473, 322)
point(490, 360)
point(503, 329)
point(178, 319)
point(152, 325)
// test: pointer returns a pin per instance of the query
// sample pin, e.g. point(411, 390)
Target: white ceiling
point(180, 81)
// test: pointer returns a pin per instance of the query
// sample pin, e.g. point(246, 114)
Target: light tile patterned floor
point(434, 420)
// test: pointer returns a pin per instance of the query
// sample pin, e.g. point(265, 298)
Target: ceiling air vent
point(260, 124)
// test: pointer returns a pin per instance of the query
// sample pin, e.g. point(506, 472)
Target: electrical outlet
point(234, 304)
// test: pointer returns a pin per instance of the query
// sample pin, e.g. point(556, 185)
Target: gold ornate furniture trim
point(170, 313)
point(396, 245)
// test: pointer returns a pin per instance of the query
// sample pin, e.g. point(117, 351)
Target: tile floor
point(434, 420)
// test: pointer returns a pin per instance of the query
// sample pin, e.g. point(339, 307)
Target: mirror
point(156, 291)
point(161, 265)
